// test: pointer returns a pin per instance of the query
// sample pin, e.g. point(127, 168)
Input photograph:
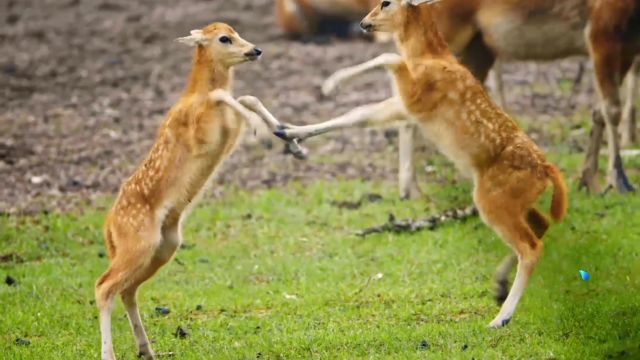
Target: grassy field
point(279, 274)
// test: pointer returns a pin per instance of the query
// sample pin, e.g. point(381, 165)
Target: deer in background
point(482, 31)
point(303, 17)
point(143, 228)
point(607, 31)
point(455, 113)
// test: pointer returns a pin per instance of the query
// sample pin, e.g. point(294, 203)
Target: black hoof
point(281, 133)
point(505, 322)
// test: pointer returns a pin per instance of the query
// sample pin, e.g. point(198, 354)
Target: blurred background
point(85, 83)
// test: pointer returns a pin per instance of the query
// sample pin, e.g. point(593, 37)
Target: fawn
point(143, 228)
point(455, 113)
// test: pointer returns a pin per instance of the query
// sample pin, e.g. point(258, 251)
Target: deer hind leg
point(610, 67)
point(628, 129)
point(514, 230)
point(504, 204)
point(169, 243)
point(407, 180)
point(123, 271)
point(528, 249)
point(539, 224)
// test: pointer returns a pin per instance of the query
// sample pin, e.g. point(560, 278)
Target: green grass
point(280, 274)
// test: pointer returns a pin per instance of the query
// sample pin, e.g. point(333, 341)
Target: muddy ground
point(84, 84)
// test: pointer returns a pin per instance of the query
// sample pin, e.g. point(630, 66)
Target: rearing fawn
point(142, 229)
point(508, 170)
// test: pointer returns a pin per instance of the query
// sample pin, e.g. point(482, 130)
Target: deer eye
point(225, 40)
point(385, 4)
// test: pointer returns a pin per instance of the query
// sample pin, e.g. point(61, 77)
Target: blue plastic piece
point(584, 275)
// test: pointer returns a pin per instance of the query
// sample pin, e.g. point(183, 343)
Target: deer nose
point(254, 52)
point(366, 26)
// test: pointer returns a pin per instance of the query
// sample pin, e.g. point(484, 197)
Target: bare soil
point(84, 84)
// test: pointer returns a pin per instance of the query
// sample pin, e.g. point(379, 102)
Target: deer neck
point(419, 36)
point(207, 74)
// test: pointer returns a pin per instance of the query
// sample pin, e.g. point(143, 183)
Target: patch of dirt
point(84, 84)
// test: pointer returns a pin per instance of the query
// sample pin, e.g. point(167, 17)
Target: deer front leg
point(254, 104)
point(223, 96)
point(498, 79)
point(387, 111)
point(255, 118)
point(386, 61)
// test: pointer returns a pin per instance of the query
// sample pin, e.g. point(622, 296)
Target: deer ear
point(196, 38)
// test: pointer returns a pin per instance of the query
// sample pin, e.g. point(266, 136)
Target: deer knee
point(612, 114)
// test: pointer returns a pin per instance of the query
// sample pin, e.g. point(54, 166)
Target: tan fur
point(142, 229)
point(456, 114)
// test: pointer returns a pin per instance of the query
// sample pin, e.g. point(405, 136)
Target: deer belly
point(443, 136)
point(534, 37)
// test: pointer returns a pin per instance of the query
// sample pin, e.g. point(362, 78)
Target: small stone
point(181, 333)
point(424, 345)
point(161, 310)
point(10, 281)
point(199, 307)
point(22, 342)
point(37, 180)
point(13, 18)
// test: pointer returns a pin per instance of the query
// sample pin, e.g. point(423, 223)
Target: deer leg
point(498, 79)
point(589, 177)
point(407, 182)
point(628, 128)
point(610, 67)
point(254, 104)
point(477, 57)
point(387, 111)
point(253, 118)
point(388, 60)
point(123, 272)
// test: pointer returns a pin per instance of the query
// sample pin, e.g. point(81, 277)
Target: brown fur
point(300, 17)
point(142, 229)
point(456, 114)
